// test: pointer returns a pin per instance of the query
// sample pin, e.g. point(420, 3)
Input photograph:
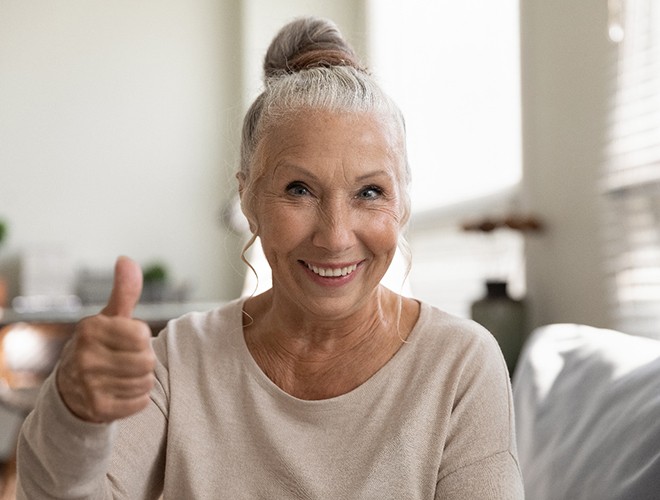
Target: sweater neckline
point(254, 370)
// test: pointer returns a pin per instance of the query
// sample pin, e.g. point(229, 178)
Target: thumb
point(126, 289)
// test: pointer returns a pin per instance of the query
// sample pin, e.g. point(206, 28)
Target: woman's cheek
point(280, 220)
point(386, 217)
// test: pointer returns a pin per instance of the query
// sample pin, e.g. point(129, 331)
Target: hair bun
point(308, 43)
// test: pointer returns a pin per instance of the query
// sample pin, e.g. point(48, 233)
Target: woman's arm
point(106, 383)
point(61, 456)
point(480, 456)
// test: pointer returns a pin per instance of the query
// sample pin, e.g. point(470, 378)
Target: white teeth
point(336, 272)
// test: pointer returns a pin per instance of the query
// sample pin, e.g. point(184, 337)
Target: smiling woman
point(327, 385)
point(332, 201)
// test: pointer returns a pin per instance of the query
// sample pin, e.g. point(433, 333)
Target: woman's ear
point(245, 206)
point(240, 176)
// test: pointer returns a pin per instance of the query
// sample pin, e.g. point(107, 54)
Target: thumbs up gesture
point(106, 370)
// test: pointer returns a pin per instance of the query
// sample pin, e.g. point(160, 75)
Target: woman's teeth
point(330, 272)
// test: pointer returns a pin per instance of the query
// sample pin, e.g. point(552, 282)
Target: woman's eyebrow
point(374, 173)
point(303, 171)
point(292, 166)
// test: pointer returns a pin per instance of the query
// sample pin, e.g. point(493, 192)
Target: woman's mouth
point(332, 272)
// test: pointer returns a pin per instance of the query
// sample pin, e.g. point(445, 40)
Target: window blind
point(631, 178)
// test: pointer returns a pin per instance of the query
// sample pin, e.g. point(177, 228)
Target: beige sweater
point(435, 422)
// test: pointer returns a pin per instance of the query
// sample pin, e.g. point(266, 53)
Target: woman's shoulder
point(452, 335)
point(198, 328)
point(439, 322)
point(461, 353)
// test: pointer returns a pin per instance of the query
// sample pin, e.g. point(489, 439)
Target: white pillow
point(587, 406)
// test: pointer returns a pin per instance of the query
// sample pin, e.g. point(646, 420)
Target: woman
point(328, 385)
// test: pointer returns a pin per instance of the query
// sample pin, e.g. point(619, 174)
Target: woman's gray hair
point(309, 66)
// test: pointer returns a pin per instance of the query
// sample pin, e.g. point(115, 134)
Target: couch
point(588, 414)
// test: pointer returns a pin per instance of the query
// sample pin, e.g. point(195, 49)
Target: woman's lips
point(331, 271)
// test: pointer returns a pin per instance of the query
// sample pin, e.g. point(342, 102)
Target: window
point(453, 68)
point(631, 181)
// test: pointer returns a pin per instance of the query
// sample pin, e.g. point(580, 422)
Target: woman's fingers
point(106, 370)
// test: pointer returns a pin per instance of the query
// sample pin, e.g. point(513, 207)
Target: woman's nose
point(334, 228)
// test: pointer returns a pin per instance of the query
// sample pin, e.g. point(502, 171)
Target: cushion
point(587, 406)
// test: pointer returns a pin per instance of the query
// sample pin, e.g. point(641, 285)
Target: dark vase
point(504, 317)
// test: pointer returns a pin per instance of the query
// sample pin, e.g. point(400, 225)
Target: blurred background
point(119, 134)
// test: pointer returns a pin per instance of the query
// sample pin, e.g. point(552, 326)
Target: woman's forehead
point(327, 136)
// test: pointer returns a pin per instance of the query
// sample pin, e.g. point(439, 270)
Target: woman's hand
point(106, 370)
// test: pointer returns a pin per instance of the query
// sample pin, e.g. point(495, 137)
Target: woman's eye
point(297, 189)
point(370, 192)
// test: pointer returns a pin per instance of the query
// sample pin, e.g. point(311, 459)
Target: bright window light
point(453, 68)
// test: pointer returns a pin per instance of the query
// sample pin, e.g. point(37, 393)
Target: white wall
point(118, 132)
point(566, 65)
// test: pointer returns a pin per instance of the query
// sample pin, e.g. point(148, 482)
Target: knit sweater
point(436, 421)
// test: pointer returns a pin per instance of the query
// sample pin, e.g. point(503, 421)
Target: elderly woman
point(328, 385)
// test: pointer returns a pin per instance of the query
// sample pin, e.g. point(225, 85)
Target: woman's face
point(329, 208)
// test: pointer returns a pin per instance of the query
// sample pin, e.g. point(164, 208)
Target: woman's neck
point(313, 358)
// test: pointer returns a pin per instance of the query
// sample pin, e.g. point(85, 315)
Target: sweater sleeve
point(494, 478)
point(60, 456)
point(480, 456)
